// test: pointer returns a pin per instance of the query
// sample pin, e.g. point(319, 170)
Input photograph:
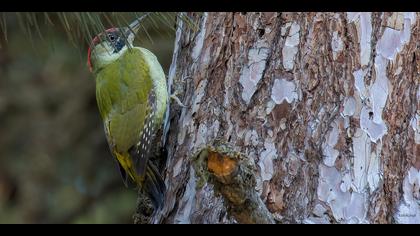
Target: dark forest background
point(55, 166)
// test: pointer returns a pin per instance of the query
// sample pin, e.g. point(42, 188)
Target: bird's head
point(108, 46)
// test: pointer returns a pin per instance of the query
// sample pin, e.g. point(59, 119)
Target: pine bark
point(294, 118)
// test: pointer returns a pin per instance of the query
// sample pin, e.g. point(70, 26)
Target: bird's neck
point(106, 57)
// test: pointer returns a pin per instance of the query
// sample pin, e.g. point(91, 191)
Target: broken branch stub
point(234, 179)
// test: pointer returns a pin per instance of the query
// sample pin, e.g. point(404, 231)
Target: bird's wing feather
point(140, 152)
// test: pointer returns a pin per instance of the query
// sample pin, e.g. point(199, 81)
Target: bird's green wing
point(126, 102)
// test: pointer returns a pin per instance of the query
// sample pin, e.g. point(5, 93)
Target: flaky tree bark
point(295, 118)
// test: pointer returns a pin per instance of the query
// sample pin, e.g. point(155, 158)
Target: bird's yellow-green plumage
point(132, 96)
point(123, 103)
point(123, 89)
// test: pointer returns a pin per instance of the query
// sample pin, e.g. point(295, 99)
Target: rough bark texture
point(322, 108)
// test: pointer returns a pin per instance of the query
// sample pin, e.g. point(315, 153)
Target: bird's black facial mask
point(113, 36)
point(116, 39)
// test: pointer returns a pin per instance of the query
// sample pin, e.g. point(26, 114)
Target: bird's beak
point(134, 27)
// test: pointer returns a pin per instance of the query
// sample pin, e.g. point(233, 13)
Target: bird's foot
point(174, 97)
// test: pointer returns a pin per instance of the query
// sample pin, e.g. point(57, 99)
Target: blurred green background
point(55, 165)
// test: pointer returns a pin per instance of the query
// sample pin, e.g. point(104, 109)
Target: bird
point(132, 96)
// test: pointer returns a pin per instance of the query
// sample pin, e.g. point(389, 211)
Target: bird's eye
point(111, 37)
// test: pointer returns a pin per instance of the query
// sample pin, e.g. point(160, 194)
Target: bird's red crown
point(97, 39)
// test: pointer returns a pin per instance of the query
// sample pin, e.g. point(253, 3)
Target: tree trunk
point(294, 118)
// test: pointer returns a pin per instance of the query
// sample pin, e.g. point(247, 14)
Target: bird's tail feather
point(154, 185)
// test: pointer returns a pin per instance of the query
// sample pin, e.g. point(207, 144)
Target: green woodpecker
point(132, 95)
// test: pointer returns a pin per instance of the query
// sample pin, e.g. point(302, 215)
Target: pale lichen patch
point(364, 30)
point(328, 150)
point(200, 39)
point(352, 16)
point(345, 183)
point(290, 47)
point(201, 136)
point(409, 208)
point(266, 160)
point(333, 189)
point(186, 203)
point(329, 191)
point(359, 83)
point(349, 106)
point(374, 99)
point(319, 210)
point(356, 211)
point(284, 29)
point(373, 129)
point(379, 94)
point(394, 38)
point(396, 21)
point(316, 220)
point(415, 125)
point(361, 150)
point(336, 44)
point(389, 44)
point(253, 71)
point(269, 107)
point(410, 16)
point(375, 96)
point(251, 137)
point(283, 90)
point(374, 171)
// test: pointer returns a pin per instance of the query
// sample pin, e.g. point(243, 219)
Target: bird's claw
point(174, 97)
